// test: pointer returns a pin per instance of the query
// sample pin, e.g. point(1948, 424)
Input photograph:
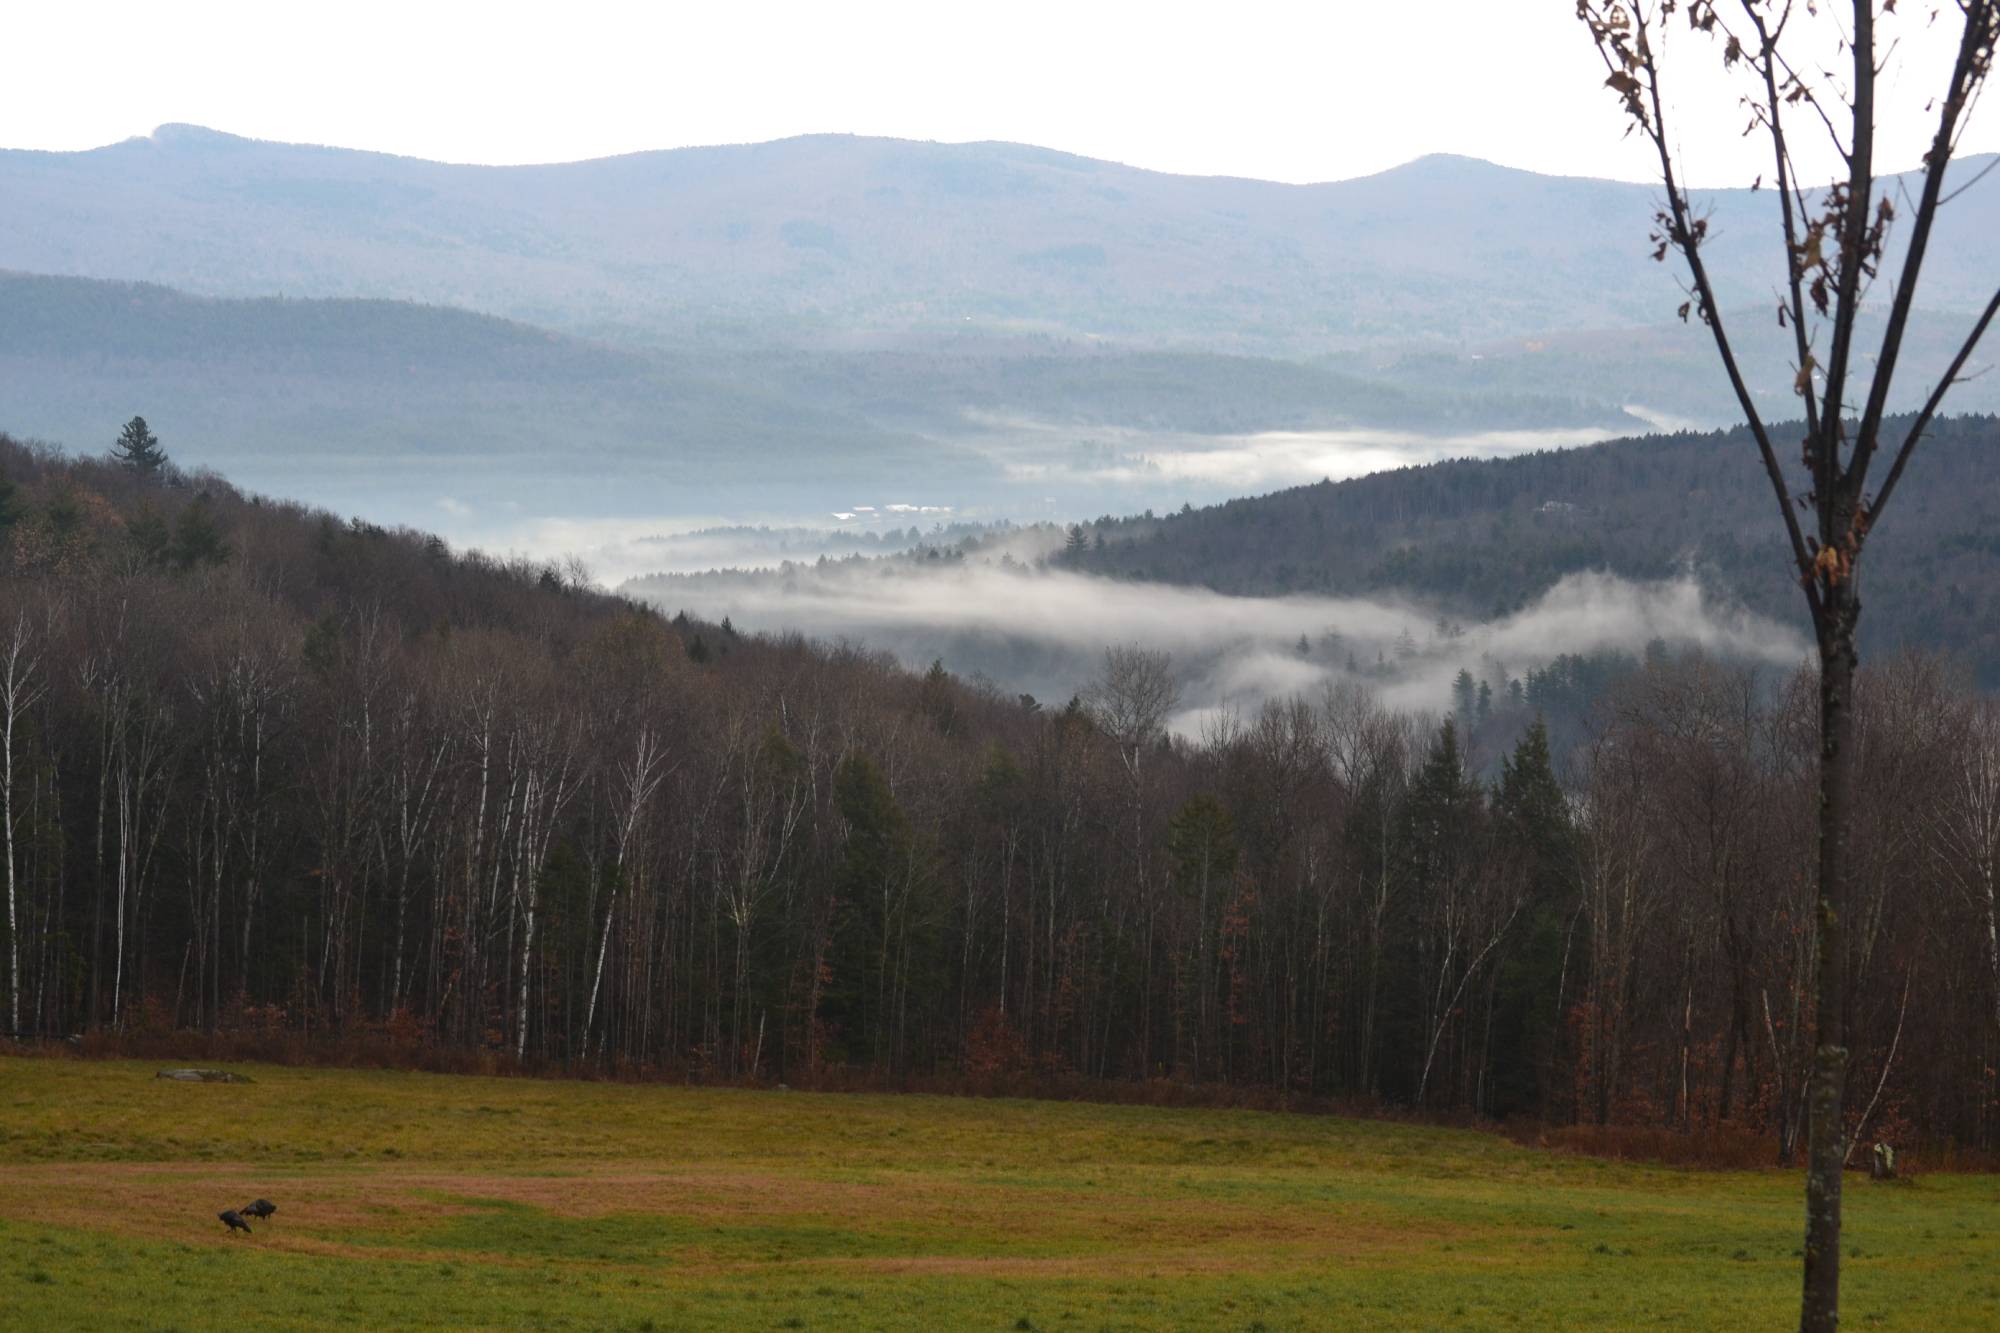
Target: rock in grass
point(203, 1076)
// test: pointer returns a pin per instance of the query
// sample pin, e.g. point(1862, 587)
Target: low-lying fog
point(1042, 631)
point(1033, 472)
point(1218, 467)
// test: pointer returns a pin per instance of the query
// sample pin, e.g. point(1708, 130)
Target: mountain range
point(792, 328)
point(834, 238)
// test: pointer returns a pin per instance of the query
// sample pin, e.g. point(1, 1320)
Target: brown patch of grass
point(329, 1212)
point(1711, 1147)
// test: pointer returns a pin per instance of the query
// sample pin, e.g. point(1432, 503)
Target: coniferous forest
point(268, 774)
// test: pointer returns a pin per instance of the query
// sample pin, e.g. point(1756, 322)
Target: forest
point(270, 773)
point(1485, 536)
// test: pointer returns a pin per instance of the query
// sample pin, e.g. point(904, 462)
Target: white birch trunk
point(18, 693)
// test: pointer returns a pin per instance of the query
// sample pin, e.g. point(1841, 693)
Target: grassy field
point(411, 1200)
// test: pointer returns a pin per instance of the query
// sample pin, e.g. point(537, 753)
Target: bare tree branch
point(1685, 234)
point(1975, 53)
point(1979, 176)
point(1853, 208)
point(1931, 404)
point(1767, 39)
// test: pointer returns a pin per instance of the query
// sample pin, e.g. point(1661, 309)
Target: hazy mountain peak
point(175, 134)
point(1455, 163)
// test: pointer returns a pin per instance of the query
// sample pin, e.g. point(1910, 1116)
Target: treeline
point(269, 772)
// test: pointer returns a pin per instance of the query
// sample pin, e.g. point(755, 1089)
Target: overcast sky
point(1302, 91)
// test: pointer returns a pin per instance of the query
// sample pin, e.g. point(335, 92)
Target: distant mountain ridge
point(830, 240)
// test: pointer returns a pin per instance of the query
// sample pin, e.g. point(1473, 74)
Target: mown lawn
point(414, 1200)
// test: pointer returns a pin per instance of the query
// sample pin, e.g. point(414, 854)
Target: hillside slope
point(367, 404)
point(1487, 535)
point(423, 402)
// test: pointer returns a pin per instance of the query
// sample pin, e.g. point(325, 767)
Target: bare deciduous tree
point(1965, 827)
point(1836, 241)
point(20, 688)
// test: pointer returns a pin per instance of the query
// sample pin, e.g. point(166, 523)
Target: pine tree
point(1464, 696)
point(1435, 848)
point(938, 700)
point(139, 449)
point(197, 539)
point(1536, 833)
point(1530, 801)
point(874, 874)
point(148, 535)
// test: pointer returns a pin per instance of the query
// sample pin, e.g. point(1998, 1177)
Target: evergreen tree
point(1530, 802)
point(1464, 695)
point(1201, 839)
point(1436, 845)
point(1535, 832)
point(871, 881)
point(64, 515)
point(139, 449)
point(148, 535)
point(938, 699)
point(1001, 784)
point(197, 537)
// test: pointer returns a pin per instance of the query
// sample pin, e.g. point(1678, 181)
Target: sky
point(1303, 91)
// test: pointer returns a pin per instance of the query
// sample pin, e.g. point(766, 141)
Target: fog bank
point(1043, 631)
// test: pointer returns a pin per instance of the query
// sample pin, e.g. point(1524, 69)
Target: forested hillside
point(1485, 536)
point(271, 774)
point(347, 400)
point(493, 413)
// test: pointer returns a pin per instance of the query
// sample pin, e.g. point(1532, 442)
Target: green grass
point(411, 1200)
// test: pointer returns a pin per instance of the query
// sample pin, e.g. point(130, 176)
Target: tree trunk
point(7, 816)
point(1826, 1127)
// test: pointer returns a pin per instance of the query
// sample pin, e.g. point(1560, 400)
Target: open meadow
point(414, 1200)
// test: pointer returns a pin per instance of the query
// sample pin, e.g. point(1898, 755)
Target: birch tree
point(21, 687)
point(1965, 827)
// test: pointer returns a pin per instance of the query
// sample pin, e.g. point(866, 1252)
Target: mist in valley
point(1032, 473)
point(1003, 615)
